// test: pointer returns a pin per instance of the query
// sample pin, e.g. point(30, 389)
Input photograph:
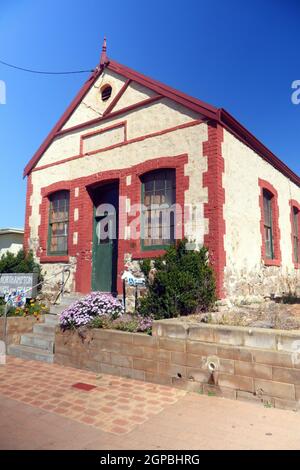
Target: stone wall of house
point(246, 276)
point(249, 364)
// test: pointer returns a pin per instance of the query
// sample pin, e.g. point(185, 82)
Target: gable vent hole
point(106, 92)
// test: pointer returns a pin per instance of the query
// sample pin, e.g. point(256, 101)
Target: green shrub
point(19, 263)
point(183, 283)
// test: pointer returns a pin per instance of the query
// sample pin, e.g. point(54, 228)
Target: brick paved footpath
point(47, 406)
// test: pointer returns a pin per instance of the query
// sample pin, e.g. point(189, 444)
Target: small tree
point(19, 263)
point(183, 283)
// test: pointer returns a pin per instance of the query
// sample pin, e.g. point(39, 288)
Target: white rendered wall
point(245, 274)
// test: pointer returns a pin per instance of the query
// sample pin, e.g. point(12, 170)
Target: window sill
point(55, 259)
point(148, 254)
point(272, 262)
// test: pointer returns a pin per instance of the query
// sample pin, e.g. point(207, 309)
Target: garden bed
point(103, 311)
point(268, 314)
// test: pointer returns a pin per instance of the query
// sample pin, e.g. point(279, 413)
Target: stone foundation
point(53, 277)
point(249, 364)
point(244, 286)
point(133, 293)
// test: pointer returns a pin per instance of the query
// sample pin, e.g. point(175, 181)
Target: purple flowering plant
point(98, 310)
point(92, 306)
point(134, 323)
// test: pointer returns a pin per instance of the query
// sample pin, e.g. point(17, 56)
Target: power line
point(41, 72)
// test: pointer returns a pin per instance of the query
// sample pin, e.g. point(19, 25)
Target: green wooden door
point(105, 240)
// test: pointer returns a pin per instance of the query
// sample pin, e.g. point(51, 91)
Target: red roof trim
point(205, 110)
point(162, 89)
point(233, 126)
point(80, 95)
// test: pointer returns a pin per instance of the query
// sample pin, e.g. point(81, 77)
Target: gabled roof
point(205, 111)
point(58, 126)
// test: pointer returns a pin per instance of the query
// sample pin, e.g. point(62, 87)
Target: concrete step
point(45, 328)
point(69, 299)
point(57, 309)
point(27, 352)
point(39, 341)
point(64, 303)
point(51, 319)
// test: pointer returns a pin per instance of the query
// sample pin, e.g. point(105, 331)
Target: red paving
point(40, 409)
point(113, 404)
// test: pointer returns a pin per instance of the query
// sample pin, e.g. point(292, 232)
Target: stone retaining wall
point(16, 326)
point(252, 364)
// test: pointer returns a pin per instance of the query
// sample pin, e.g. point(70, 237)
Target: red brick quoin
point(84, 225)
point(28, 212)
point(213, 209)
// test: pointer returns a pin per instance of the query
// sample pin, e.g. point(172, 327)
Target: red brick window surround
point(269, 224)
point(130, 187)
point(45, 252)
point(295, 232)
point(58, 223)
point(157, 218)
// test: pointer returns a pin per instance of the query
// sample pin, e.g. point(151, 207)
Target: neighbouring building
point(11, 239)
point(130, 142)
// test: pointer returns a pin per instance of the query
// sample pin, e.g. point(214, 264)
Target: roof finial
point(104, 58)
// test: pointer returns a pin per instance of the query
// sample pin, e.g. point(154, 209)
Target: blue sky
point(233, 55)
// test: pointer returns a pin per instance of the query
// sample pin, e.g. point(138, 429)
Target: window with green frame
point(296, 233)
point(58, 223)
point(157, 214)
point(268, 224)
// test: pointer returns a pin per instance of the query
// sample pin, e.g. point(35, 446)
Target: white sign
point(18, 282)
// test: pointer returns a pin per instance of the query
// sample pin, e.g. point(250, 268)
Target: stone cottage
point(133, 165)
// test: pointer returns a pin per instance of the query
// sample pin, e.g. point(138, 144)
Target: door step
point(57, 309)
point(28, 352)
point(40, 341)
point(39, 345)
point(51, 319)
point(44, 328)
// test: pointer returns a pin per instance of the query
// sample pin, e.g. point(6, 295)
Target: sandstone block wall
point(252, 364)
point(15, 327)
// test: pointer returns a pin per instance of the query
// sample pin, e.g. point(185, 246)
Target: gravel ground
point(265, 315)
